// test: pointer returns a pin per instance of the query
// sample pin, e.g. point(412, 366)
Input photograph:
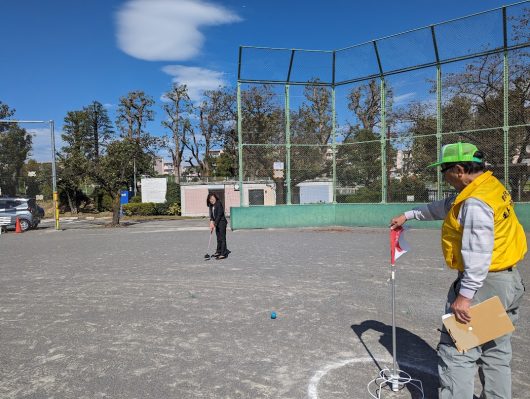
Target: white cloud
point(403, 98)
point(196, 79)
point(167, 30)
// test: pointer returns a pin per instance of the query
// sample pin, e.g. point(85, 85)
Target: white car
point(25, 209)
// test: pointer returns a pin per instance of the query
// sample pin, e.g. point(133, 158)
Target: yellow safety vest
point(509, 245)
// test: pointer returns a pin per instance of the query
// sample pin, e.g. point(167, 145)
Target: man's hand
point(212, 226)
point(397, 221)
point(460, 308)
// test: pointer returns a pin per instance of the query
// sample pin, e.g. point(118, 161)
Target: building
point(215, 153)
point(163, 167)
point(316, 192)
point(193, 195)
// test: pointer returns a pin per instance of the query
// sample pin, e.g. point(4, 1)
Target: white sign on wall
point(154, 190)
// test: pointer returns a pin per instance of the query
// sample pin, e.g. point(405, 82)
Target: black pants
point(220, 232)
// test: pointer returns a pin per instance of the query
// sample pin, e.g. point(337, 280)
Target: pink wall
point(194, 199)
point(231, 198)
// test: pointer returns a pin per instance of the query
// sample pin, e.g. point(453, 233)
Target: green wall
point(320, 215)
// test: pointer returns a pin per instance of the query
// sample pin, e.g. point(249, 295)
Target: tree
point(225, 165)
point(41, 182)
point(215, 129)
point(99, 133)
point(359, 160)
point(99, 129)
point(134, 111)
point(262, 122)
point(178, 111)
point(15, 146)
point(481, 84)
point(74, 159)
point(365, 103)
point(112, 172)
point(311, 124)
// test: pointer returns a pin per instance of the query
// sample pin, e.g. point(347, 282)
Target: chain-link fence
point(361, 124)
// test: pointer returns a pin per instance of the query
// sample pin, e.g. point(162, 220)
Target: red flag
point(398, 245)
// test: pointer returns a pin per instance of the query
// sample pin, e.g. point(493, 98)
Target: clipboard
point(489, 320)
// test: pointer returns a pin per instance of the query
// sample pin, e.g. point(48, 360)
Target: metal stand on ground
point(394, 379)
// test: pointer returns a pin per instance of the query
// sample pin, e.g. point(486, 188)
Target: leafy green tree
point(112, 172)
point(99, 133)
point(262, 123)
point(359, 160)
point(99, 129)
point(225, 166)
point(41, 182)
point(74, 159)
point(15, 146)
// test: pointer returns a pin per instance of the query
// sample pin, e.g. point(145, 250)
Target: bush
point(140, 209)
point(161, 209)
point(136, 199)
point(106, 203)
point(151, 209)
point(174, 209)
point(173, 192)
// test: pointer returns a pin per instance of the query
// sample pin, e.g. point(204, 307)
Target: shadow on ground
point(414, 356)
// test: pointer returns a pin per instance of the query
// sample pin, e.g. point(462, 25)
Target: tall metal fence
point(362, 123)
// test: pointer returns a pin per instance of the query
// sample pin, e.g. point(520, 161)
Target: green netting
point(443, 83)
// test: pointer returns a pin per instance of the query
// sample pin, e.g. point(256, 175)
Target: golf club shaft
point(210, 241)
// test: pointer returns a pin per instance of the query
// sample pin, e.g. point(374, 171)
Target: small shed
point(316, 192)
point(193, 195)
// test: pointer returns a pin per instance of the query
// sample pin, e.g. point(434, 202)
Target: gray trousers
point(457, 370)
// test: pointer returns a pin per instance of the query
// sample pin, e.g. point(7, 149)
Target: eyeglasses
point(443, 170)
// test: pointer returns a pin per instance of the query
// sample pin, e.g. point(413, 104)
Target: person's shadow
point(413, 355)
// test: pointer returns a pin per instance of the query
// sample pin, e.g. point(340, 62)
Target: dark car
point(25, 209)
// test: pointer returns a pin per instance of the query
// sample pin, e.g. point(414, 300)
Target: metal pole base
point(394, 380)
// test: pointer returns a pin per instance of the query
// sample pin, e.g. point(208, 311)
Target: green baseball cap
point(457, 152)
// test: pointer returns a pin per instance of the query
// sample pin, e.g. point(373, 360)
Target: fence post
point(383, 132)
point(288, 144)
point(240, 145)
point(384, 182)
point(334, 132)
point(506, 110)
point(439, 114)
point(54, 176)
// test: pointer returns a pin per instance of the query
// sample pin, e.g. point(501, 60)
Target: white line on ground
point(170, 230)
point(312, 390)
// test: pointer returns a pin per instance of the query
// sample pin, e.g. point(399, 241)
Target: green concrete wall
point(321, 215)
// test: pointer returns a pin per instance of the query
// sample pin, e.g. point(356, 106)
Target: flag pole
point(394, 241)
point(394, 379)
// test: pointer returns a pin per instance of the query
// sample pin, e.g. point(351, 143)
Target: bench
point(4, 221)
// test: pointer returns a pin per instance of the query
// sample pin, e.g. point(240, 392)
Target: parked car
point(25, 209)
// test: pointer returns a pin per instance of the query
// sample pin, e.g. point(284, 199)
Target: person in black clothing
point(218, 222)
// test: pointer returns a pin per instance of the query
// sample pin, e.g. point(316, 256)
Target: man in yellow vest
point(483, 240)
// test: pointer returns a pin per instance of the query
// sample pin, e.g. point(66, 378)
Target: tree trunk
point(116, 209)
point(73, 208)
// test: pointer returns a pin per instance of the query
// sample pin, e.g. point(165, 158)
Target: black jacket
point(219, 211)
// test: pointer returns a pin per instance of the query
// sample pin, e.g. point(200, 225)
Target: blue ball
point(273, 315)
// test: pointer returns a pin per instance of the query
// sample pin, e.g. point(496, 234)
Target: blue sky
point(60, 55)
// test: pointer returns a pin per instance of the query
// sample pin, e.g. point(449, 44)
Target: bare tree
point(365, 102)
point(134, 111)
point(178, 111)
